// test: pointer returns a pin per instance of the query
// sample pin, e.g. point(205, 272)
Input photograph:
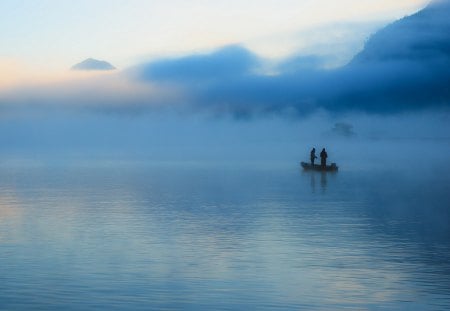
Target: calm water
point(204, 237)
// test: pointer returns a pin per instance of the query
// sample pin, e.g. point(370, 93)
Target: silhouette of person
point(323, 158)
point(313, 156)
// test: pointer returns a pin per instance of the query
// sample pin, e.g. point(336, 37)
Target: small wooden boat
point(317, 167)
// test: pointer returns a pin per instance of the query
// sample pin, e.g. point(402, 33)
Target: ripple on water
point(164, 238)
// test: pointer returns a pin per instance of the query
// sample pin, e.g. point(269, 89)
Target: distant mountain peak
point(93, 64)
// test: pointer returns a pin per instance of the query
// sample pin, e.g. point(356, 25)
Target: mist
point(177, 182)
point(230, 104)
point(367, 140)
point(403, 68)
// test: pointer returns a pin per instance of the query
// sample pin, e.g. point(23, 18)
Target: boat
point(316, 167)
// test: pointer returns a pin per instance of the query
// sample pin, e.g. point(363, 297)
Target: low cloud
point(227, 63)
point(404, 67)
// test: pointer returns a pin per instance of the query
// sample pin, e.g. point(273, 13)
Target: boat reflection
point(317, 177)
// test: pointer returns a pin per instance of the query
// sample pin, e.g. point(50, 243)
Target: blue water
point(132, 236)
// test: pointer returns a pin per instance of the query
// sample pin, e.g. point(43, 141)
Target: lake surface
point(223, 237)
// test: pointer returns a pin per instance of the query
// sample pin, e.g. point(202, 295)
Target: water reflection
point(10, 217)
point(323, 179)
point(218, 238)
point(313, 180)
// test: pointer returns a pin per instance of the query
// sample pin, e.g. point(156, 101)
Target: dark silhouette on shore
point(313, 156)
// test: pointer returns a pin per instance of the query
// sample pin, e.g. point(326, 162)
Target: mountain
point(404, 66)
point(421, 37)
point(93, 64)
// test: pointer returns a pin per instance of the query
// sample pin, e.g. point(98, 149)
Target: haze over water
point(150, 151)
point(192, 236)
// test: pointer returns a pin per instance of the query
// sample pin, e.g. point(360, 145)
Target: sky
point(54, 35)
point(220, 78)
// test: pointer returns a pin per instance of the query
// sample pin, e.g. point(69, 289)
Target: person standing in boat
point(323, 158)
point(313, 156)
